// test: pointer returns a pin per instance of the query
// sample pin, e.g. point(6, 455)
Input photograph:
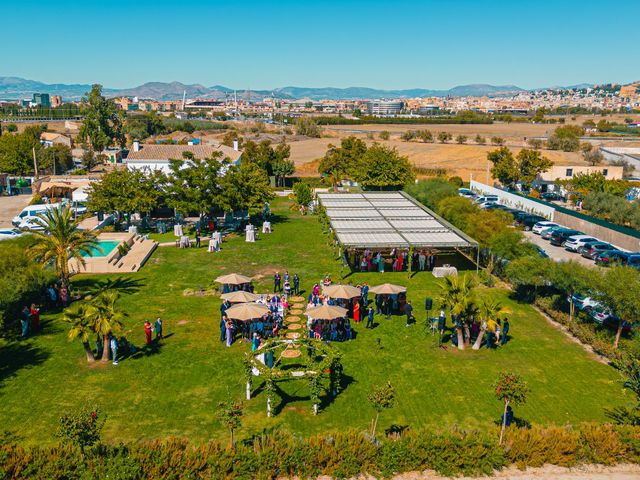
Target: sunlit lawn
point(174, 390)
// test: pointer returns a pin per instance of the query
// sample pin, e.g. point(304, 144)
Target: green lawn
point(174, 390)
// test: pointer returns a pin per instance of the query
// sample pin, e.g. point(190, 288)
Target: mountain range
point(15, 88)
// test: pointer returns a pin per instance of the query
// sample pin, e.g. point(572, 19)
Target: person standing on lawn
point(223, 326)
point(356, 311)
point(408, 310)
point(147, 332)
point(370, 317)
point(223, 308)
point(35, 317)
point(296, 284)
point(228, 331)
point(158, 326)
point(276, 282)
point(365, 294)
point(197, 238)
point(505, 331)
point(25, 319)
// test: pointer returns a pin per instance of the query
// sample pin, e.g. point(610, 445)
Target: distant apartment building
point(385, 107)
point(56, 101)
point(41, 100)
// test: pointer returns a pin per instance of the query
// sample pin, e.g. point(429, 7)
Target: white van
point(26, 218)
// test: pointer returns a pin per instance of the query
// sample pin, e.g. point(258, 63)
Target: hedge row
point(340, 455)
point(585, 332)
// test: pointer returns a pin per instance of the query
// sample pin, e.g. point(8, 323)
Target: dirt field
point(462, 160)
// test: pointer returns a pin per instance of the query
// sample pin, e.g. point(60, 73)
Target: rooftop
point(388, 219)
point(167, 152)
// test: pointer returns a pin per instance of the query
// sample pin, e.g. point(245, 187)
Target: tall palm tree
point(456, 294)
point(61, 241)
point(80, 316)
point(106, 318)
point(490, 309)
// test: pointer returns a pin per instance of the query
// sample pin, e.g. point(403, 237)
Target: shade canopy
point(326, 312)
point(233, 279)
point(388, 289)
point(341, 291)
point(240, 296)
point(247, 311)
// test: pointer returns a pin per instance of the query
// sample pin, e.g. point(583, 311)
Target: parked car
point(546, 234)
point(559, 237)
point(577, 241)
point(488, 205)
point(466, 193)
point(542, 225)
point(590, 250)
point(584, 303)
point(609, 257)
point(608, 318)
point(552, 196)
point(541, 252)
point(487, 198)
point(528, 221)
point(617, 257)
point(9, 233)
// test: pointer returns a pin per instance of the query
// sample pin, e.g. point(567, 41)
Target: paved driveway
point(10, 207)
point(557, 253)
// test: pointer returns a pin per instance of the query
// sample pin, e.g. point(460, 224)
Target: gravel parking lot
point(557, 253)
point(10, 207)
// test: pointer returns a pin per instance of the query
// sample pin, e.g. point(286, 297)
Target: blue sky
point(259, 44)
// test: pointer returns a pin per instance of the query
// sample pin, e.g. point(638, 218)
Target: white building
point(156, 157)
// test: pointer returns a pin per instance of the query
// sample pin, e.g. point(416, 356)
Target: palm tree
point(490, 309)
point(457, 295)
point(106, 318)
point(61, 241)
point(80, 316)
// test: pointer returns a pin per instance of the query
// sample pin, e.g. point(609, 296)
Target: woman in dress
point(35, 317)
point(147, 331)
point(228, 326)
point(356, 311)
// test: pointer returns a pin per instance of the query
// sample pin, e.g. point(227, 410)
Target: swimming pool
point(107, 247)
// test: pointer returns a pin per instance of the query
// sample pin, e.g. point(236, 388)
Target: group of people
point(400, 260)
point(286, 283)
point(56, 295)
point(267, 326)
point(496, 332)
point(29, 320)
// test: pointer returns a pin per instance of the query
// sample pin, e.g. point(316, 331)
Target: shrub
point(81, 428)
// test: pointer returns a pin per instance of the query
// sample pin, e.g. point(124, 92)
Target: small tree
point(303, 194)
point(81, 428)
point(381, 398)
point(497, 140)
point(230, 414)
point(308, 127)
point(620, 291)
point(461, 139)
point(444, 137)
point(593, 157)
point(384, 135)
point(510, 388)
point(480, 140)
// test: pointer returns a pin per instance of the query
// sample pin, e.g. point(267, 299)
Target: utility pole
point(35, 162)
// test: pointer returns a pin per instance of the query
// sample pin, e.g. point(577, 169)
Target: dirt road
point(10, 207)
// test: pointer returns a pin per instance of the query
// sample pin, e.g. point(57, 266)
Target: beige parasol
point(326, 312)
point(341, 291)
point(387, 289)
point(233, 279)
point(247, 311)
point(240, 296)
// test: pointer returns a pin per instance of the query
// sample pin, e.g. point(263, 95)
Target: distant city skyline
point(385, 45)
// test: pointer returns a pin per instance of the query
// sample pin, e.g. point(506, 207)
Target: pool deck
point(140, 250)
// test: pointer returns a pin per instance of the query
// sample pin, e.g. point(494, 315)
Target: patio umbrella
point(240, 297)
point(326, 312)
point(341, 291)
point(233, 279)
point(247, 311)
point(387, 289)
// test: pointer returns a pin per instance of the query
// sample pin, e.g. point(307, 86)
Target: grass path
point(174, 389)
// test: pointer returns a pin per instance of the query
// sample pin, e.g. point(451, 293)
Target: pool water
point(107, 247)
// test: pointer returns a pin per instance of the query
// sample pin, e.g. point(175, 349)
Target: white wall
point(514, 201)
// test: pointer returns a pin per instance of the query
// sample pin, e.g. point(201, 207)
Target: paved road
point(10, 207)
point(557, 253)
